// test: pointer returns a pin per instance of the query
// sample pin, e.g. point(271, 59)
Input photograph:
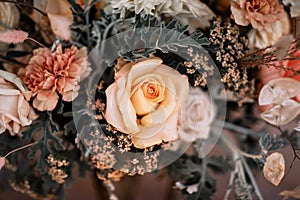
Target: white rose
point(197, 115)
point(144, 101)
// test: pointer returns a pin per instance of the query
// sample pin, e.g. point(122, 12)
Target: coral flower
point(48, 74)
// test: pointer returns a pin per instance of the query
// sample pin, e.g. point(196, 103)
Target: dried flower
point(144, 101)
point(59, 72)
point(274, 168)
point(261, 14)
point(196, 116)
point(278, 94)
point(13, 36)
point(287, 194)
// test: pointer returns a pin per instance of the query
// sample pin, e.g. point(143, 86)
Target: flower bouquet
point(183, 89)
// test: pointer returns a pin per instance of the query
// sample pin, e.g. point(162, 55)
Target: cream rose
point(144, 101)
point(196, 115)
point(15, 111)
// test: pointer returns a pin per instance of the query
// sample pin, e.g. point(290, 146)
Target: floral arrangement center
point(144, 101)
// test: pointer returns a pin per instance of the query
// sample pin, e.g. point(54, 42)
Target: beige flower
point(278, 94)
point(15, 110)
point(274, 168)
point(261, 14)
point(264, 38)
point(60, 16)
point(192, 12)
point(61, 71)
point(196, 116)
point(144, 101)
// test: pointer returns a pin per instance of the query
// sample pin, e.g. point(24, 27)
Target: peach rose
point(261, 14)
point(15, 110)
point(144, 101)
point(197, 114)
point(58, 72)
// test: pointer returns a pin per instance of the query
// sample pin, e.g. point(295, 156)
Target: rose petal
point(141, 105)
point(125, 106)
point(165, 109)
point(144, 143)
point(113, 114)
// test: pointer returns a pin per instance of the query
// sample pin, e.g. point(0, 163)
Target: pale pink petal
point(2, 162)
point(13, 36)
point(60, 25)
point(46, 104)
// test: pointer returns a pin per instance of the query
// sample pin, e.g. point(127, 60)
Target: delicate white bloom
point(191, 12)
point(278, 93)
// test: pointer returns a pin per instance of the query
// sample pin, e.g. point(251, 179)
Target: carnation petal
point(45, 104)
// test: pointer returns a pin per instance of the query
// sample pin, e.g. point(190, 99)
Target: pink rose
point(144, 101)
point(15, 111)
point(197, 115)
point(59, 72)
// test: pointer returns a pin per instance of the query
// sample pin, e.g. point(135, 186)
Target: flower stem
point(33, 40)
point(240, 164)
point(250, 155)
point(20, 148)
